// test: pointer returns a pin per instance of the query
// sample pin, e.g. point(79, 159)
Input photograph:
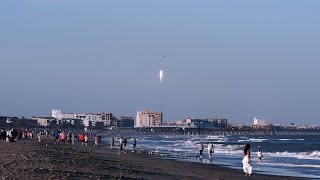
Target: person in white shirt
point(246, 161)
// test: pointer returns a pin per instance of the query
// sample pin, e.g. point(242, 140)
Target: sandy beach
point(30, 159)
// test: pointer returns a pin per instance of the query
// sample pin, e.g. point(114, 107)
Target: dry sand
point(30, 159)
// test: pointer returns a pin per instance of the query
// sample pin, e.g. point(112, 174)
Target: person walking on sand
point(259, 154)
point(111, 142)
point(210, 150)
point(246, 161)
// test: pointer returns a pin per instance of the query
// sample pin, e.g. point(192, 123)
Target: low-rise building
point(147, 118)
point(125, 122)
point(43, 121)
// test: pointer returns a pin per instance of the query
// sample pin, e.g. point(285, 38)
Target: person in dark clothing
point(134, 143)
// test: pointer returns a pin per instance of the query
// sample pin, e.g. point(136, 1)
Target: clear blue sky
point(231, 59)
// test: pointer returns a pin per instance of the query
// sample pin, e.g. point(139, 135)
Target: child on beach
point(246, 161)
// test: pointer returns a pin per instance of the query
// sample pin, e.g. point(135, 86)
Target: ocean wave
point(293, 165)
point(314, 155)
point(243, 140)
point(257, 140)
point(214, 137)
point(291, 139)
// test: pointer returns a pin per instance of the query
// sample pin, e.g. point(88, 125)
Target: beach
point(30, 159)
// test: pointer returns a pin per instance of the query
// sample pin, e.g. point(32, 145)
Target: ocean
point(283, 154)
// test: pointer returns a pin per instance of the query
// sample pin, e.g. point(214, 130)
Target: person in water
point(246, 161)
point(200, 147)
point(259, 154)
point(210, 150)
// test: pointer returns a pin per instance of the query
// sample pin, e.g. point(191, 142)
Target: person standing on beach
point(56, 136)
point(246, 161)
point(121, 146)
point(19, 135)
point(39, 137)
point(210, 150)
point(96, 140)
point(72, 138)
point(124, 143)
point(69, 135)
point(200, 147)
point(111, 142)
point(259, 154)
point(82, 139)
point(63, 137)
point(86, 139)
point(134, 143)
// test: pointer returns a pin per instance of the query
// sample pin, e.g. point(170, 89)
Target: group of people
point(13, 135)
point(122, 144)
point(246, 161)
point(210, 150)
point(71, 137)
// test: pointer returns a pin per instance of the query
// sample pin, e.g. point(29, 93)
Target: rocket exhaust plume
point(161, 73)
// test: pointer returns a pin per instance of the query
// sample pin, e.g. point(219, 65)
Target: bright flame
point(161, 75)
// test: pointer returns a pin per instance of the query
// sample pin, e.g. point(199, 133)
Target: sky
point(228, 59)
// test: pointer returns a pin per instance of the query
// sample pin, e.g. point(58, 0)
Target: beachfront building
point(57, 114)
point(89, 119)
point(125, 122)
point(92, 119)
point(147, 118)
point(209, 123)
point(66, 116)
point(105, 118)
point(44, 121)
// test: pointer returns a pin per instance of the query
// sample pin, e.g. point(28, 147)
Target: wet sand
point(30, 159)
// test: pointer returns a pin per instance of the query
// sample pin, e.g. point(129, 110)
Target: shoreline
point(30, 159)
